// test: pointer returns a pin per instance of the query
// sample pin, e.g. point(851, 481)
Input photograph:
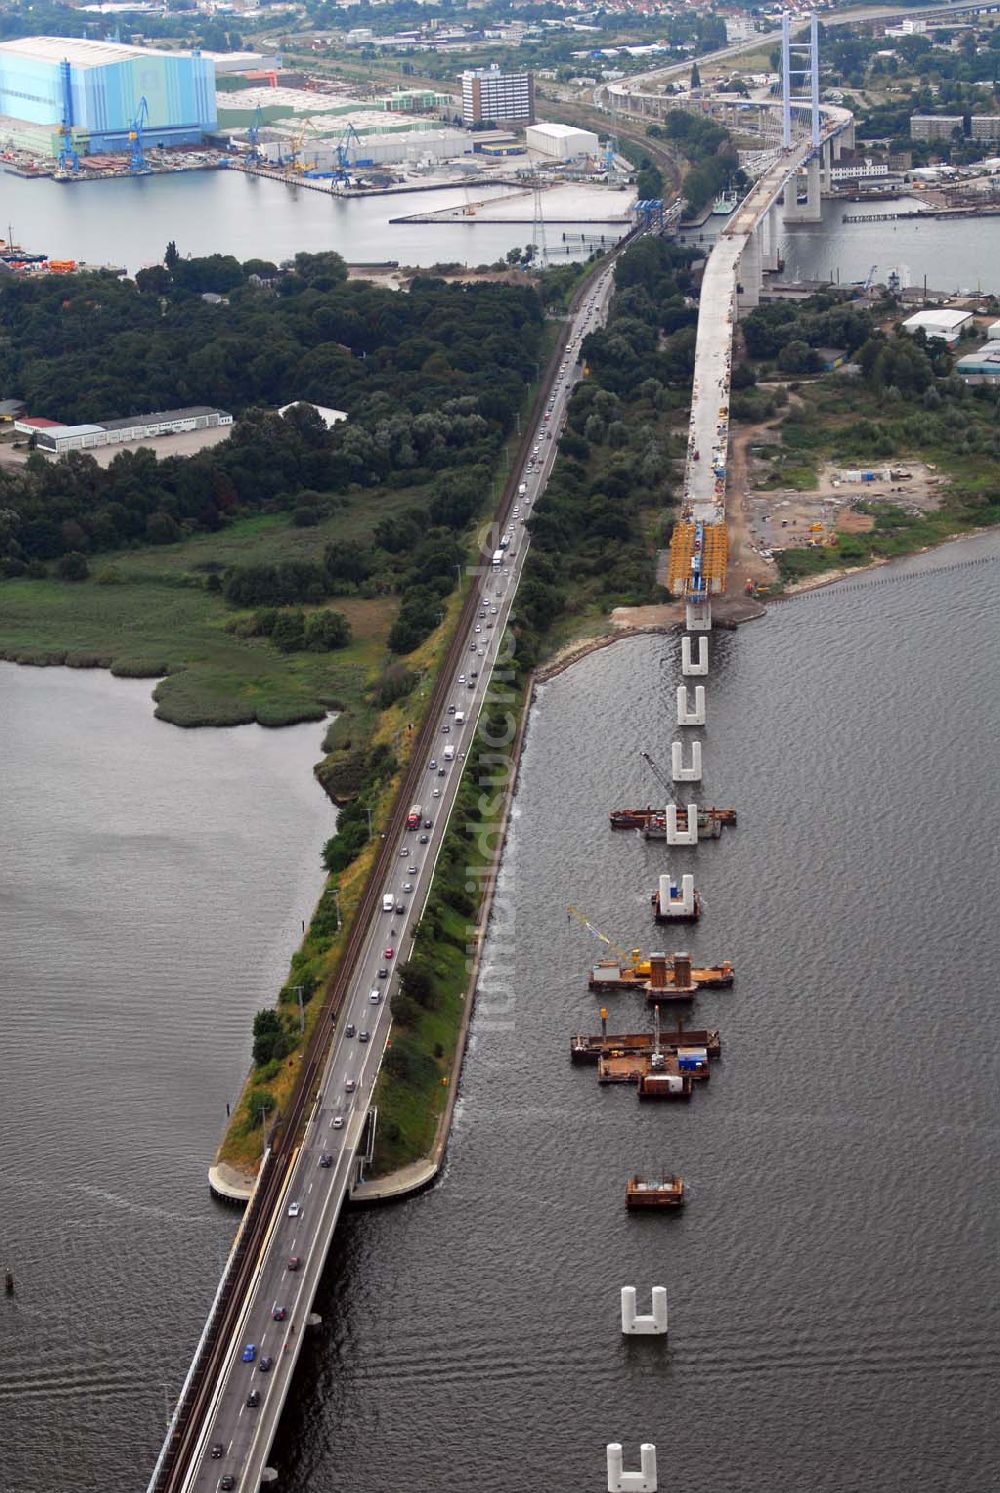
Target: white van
point(449, 754)
point(459, 717)
point(388, 902)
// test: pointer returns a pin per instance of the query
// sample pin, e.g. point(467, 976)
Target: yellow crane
point(627, 956)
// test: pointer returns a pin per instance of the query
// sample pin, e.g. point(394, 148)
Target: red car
point(388, 953)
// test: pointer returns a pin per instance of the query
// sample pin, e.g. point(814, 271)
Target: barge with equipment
point(654, 1192)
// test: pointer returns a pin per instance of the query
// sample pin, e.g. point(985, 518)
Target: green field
point(147, 612)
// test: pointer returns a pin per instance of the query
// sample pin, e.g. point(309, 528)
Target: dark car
point(350, 1029)
point(253, 1399)
point(440, 772)
point(383, 974)
point(428, 824)
point(425, 839)
point(218, 1450)
point(227, 1482)
point(280, 1313)
point(266, 1364)
point(363, 1036)
point(294, 1261)
point(326, 1160)
point(471, 684)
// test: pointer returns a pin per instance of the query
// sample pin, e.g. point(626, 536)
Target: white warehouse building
point(946, 325)
point(561, 141)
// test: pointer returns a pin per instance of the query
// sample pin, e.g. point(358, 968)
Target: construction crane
point(625, 954)
point(307, 128)
point(137, 160)
point(871, 277)
point(659, 775)
point(610, 150)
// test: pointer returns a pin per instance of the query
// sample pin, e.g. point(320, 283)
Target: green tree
point(326, 631)
point(270, 1039)
point(73, 567)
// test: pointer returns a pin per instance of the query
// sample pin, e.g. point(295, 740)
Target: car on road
point(408, 885)
point(350, 1029)
point(326, 1159)
point(266, 1364)
point(461, 678)
point(374, 996)
point(364, 1036)
point(294, 1209)
point(472, 647)
point(294, 1261)
point(249, 1353)
point(350, 1085)
point(425, 839)
point(428, 824)
point(451, 710)
point(400, 908)
point(446, 728)
point(416, 869)
point(433, 762)
point(253, 1399)
point(227, 1482)
point(383, 973)
point(404, 852)
point(389, 953)
point(440, 772)
point(279, 1313)
point(218, 1450)
point(478, 629)
point(338, 1122)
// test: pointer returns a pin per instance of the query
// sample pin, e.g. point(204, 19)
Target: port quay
point(293, 1211)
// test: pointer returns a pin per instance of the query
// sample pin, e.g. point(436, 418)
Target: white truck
point(449, 753)
point(497, 559)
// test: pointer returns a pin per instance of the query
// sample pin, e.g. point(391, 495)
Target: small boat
point(8, 1283)
point(654, 1192)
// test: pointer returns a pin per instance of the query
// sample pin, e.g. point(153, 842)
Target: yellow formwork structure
point(715, 557)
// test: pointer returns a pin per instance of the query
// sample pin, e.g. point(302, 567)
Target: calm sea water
point(955, 254)
point(152, 887)
point(129, 221)
point(959, 254)
point(834, 1279)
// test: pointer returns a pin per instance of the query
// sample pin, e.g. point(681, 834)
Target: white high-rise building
point(490, 96)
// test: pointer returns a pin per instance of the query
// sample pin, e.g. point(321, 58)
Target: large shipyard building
point(52, 87)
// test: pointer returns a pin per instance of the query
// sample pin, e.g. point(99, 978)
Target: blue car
point(249, 1353)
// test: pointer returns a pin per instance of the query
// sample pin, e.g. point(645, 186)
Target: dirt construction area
point(787, 519)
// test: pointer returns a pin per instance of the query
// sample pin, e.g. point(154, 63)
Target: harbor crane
point(137, 159)
point(341, 174)
point(253, 133)
point(69, 161)
point(871, 277)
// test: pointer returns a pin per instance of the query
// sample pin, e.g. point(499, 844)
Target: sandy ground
point(786, 519)
point(185, 444)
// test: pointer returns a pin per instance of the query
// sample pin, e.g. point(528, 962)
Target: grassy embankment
point(838, 421)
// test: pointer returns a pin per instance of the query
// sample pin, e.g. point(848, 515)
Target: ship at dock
point(664, 1191)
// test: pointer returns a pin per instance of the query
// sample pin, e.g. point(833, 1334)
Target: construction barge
point(648, 1192)
point(609, 975)
point(653, 822)
point(662, 1068)
point(590, 1049)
